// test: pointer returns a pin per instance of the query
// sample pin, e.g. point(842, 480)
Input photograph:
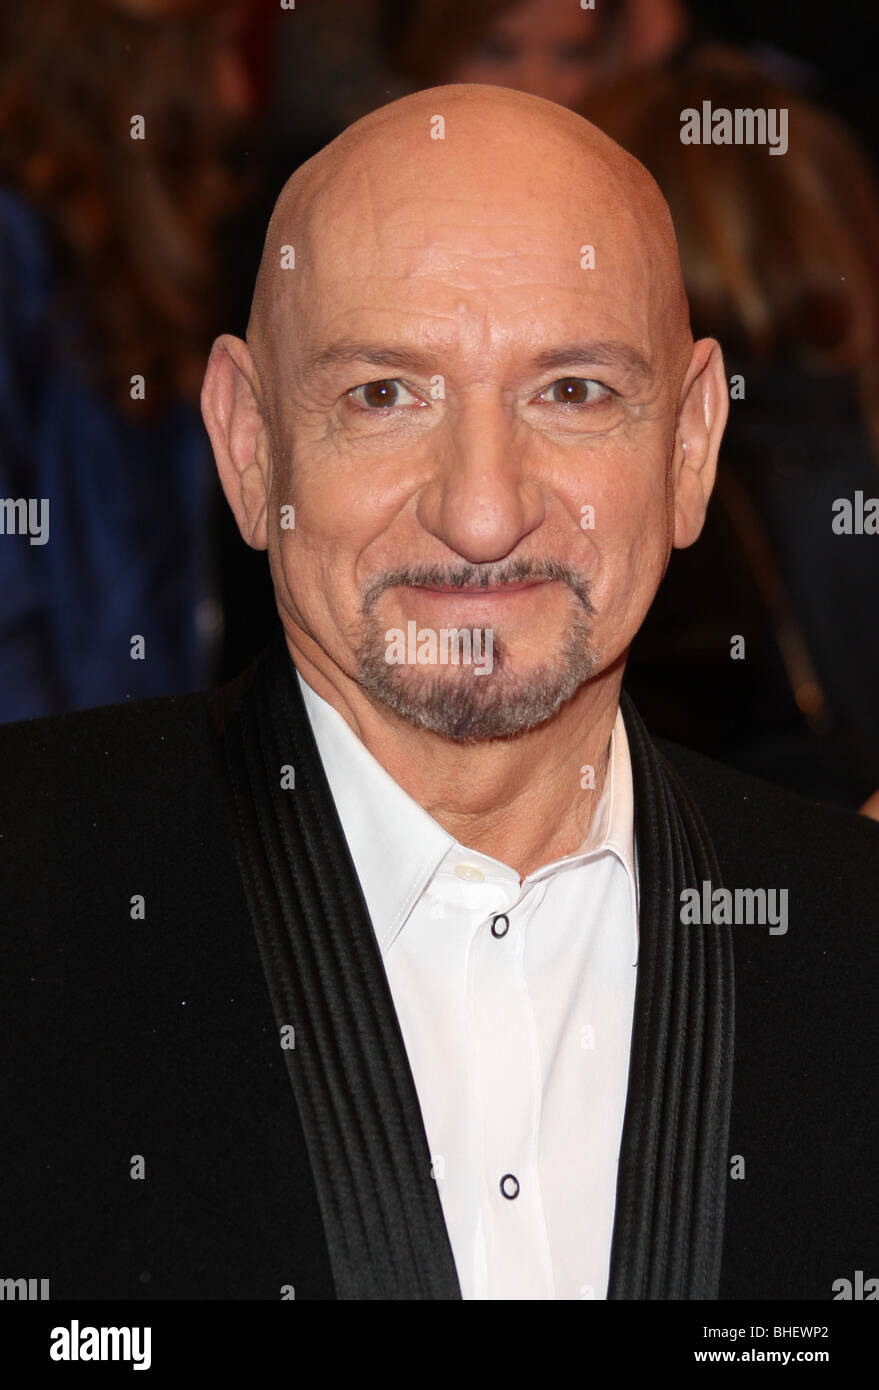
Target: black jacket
point(157, 1039)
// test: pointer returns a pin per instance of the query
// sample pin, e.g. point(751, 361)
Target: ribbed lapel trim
point(671, 1189)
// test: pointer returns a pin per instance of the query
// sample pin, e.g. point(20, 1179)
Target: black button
point(496, 928)
point(509, 1186)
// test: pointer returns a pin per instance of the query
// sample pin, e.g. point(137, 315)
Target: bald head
point(478, 184)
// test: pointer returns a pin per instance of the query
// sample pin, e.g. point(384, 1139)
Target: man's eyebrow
point(337, 354)
point(601, 352)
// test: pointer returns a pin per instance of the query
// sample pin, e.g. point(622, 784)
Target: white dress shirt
point(518, 1033)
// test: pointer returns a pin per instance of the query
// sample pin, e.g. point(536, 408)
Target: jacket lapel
point(671, 1187)
point(348, 1068)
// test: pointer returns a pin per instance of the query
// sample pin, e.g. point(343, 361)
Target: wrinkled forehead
point(518, 223)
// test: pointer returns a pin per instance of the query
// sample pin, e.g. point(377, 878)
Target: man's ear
point(704, 404)
point(231, 411)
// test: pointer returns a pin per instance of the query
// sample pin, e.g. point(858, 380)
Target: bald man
point(408, 966)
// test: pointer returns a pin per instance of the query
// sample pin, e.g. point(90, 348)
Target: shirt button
point(510, 1186)
point(500, 925)
point(470, 873)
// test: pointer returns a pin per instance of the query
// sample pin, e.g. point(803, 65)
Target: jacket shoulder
point(88, 799)
point(806, 972)
point(769, 822)
point(92, 753)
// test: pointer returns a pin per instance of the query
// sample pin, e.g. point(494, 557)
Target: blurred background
point(122, 257)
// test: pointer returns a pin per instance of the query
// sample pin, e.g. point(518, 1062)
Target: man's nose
point(481, 501)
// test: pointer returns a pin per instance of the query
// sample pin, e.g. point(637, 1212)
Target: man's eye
point(575, 390)
point(381, 395)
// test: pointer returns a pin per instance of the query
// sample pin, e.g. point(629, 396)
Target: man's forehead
point(495, 310)
point(485, 187)
point(474, 240)
point(393, 223)
point(464, 268)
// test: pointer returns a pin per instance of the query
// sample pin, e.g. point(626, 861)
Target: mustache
point(477, 576)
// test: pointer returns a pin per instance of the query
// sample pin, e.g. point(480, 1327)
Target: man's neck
point(524, 801)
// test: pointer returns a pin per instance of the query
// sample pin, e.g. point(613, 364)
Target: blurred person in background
point(108, 303)
point(552, 48)
point(781, 263)
point(555, 51)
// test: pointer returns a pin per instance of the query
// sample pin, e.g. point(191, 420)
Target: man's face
point(473, 425)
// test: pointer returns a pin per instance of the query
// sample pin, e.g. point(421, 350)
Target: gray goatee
point(459, 704)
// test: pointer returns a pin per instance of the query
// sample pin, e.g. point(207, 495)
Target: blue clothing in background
point(129, 516)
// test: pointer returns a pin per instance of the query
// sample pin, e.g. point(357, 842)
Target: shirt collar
point(397, 846)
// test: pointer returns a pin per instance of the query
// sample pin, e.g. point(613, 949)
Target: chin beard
point(458, 704)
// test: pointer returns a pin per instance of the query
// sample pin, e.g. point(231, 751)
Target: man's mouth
point(480, 590)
